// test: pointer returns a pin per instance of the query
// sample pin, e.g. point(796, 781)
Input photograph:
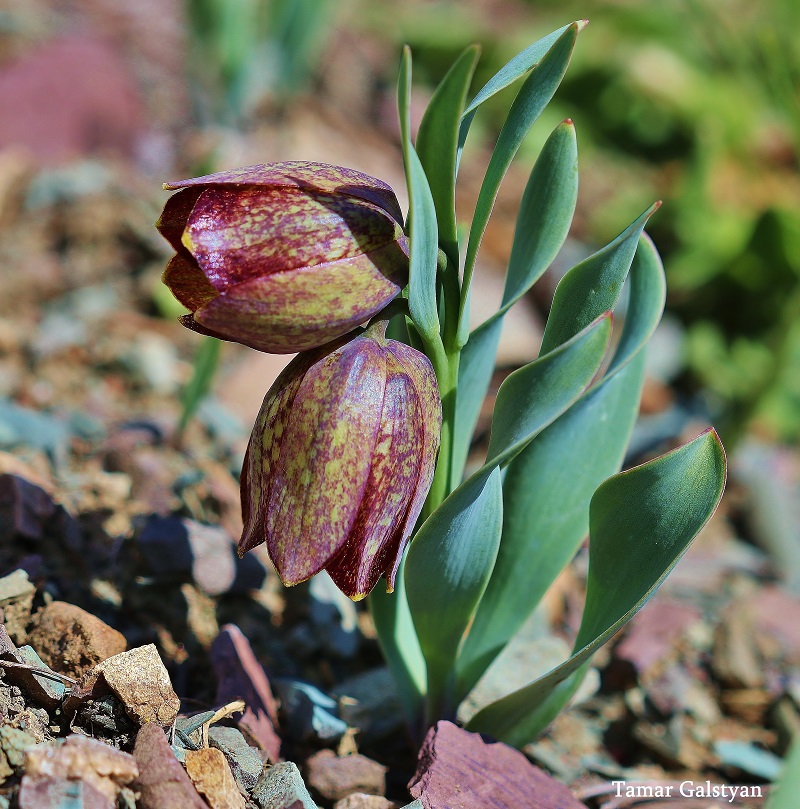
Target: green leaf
point(538, 393)
point(545, 212)
point(528, 401)
point(421, 220)
point(593, 286)
point(474, 375)
point(404, 103)
point(784, 793)
point(645, 304)
point(546, 495)
point(204, 368)
point(533, 97)
point(447, 568)
point(641, 522)
point(542, 226)
point(399, 643)
point(507, 75)
point(423, 252)
point(437, 142)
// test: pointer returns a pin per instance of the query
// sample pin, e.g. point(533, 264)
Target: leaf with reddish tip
point(641, 522)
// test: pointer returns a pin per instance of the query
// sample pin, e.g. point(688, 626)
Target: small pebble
point(333, 777)
point(71, 640)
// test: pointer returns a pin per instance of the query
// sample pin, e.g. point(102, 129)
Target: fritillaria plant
point(356, 464)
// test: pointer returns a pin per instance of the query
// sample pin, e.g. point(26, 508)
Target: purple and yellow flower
point(283, 257)
point(340, 462)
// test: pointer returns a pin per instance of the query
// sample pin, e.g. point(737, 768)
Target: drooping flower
point(340, 461)
point(283, 257)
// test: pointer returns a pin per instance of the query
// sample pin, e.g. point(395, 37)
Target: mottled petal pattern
point(420, 371)
point(300, 309)
point(187, 282)
point(320, 477)
point(284, 257)
point(303, 174)
point(394, 473)
point(336, 460)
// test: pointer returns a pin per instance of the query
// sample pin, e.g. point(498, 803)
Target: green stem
point(445, 359)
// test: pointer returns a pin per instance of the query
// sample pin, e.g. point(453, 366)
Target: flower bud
point(283, 257)
point(340, 462)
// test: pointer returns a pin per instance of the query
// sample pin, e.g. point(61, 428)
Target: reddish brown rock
point(71, 640)
point(652, 638)
point(79, 758)
point(162, 782)
point(44, 792)
point(461, 770)
point(333, 777)
point(241, 676)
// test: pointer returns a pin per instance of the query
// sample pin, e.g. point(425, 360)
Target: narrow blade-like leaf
point(641, 522)
point(529, 400)
point(205, 362)
point(593, 286)
point(437, 142)
point(546, 495)
point(542, 226)
point(424, 249)
point(507, 75)
point(533, 97)
point(645, 305)
point(538, 393)
point(421, 220)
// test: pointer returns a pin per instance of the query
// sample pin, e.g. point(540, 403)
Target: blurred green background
point(695, 102)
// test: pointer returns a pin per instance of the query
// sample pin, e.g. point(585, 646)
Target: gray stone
point(244, 761)
point(281, 787)
point(310, 714)
point(47, 691)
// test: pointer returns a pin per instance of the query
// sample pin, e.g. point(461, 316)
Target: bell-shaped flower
point(340, 462)
point(283, 257)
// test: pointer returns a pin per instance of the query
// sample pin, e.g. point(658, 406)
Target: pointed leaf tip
point(581, 24)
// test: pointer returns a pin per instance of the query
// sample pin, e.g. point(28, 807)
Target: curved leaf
point(399, 643)
point(543, 222)
point(507, 75)
point(641, 522)
point(645, 305)
point(533, 97)
point(424, 249)
point(593, 286)
point(437, 143)
point(538, 393)
point(447, 567)
point(546, 494)
point(421, 220)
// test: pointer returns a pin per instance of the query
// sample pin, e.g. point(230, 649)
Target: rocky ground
point(144, 664)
